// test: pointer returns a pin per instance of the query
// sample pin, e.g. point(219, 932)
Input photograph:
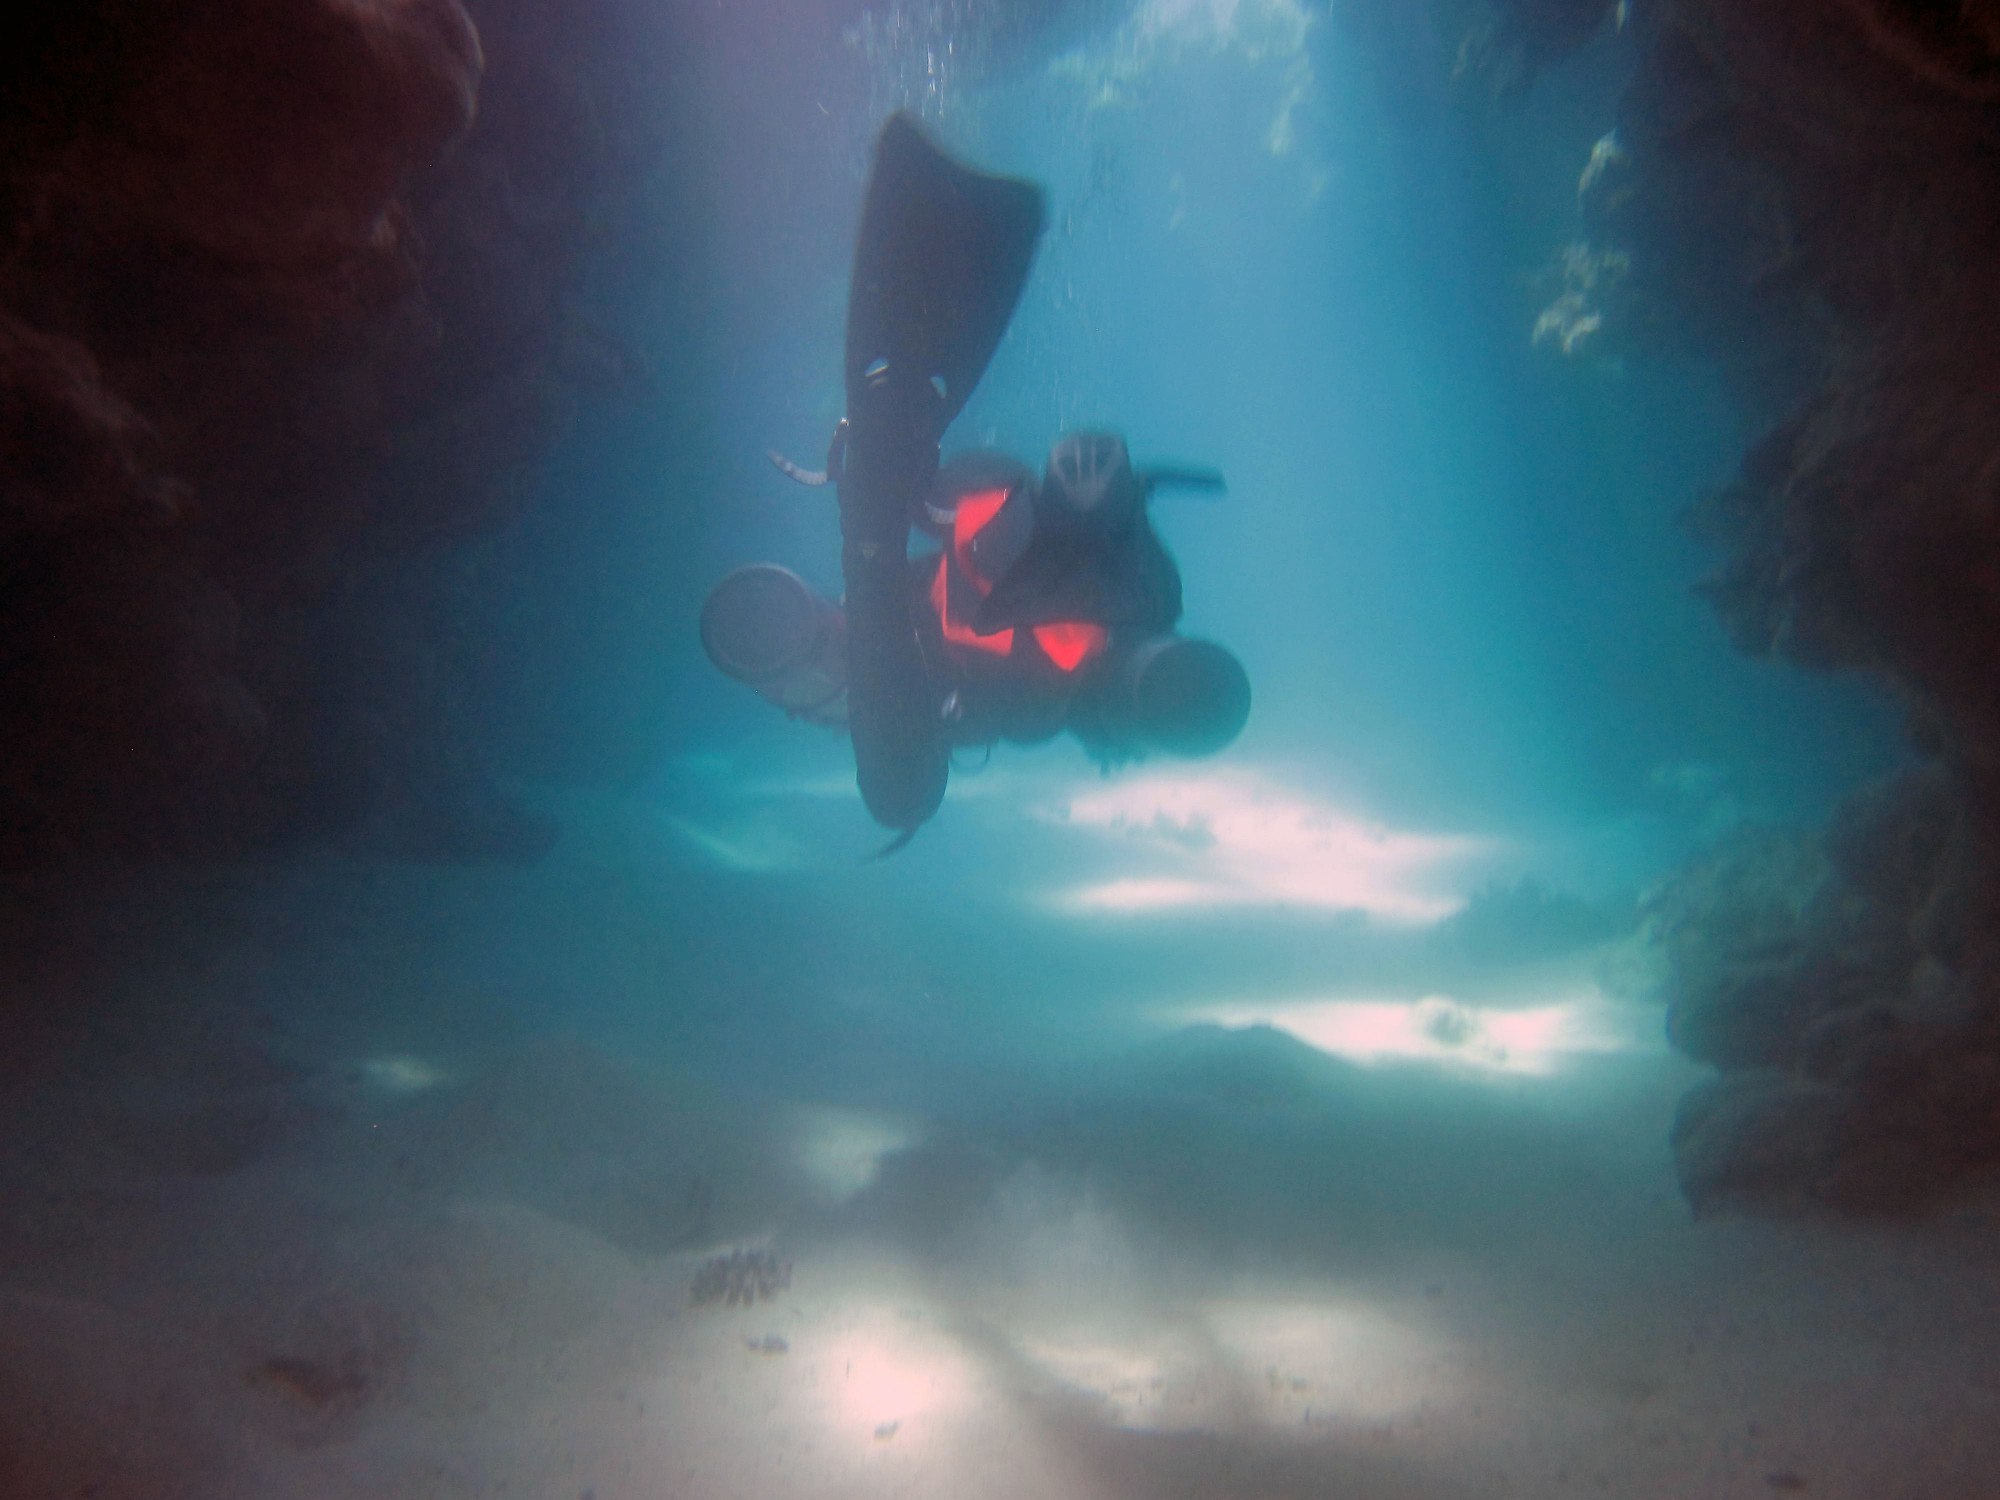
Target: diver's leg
point(939, 262)
point(901, 758)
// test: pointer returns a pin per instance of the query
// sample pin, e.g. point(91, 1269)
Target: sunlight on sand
point(1246, 1365)
point(841, 1150)
point(1235, 838)
point(1538, 1041)
point(1331, 1360)
point(883, 1369)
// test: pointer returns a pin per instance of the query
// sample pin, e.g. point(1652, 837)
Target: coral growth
point(1505, 43)
point(1591, 279)
point(742, 1278)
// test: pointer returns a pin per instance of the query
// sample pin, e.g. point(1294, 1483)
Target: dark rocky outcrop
point(285, 320)
point(1807, 196)
point(1810, 194)
point(1857, 146)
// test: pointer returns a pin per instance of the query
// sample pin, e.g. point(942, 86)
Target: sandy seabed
point(297, 1262)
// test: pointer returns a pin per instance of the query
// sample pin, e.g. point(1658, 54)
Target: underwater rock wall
point(1843, 986)
point(1858, 144)
point(1502, 44)
point(1808, 195)
point(285, 320)
point(1811, 195)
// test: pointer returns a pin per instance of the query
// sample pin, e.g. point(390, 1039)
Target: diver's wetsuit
point(1027, 611)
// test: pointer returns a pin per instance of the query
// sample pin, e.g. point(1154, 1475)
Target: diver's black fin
point(895, 845)
point(940, 262)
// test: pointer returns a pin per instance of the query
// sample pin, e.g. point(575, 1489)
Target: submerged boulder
point(1848, 999)
point(72, 448)
point(1752, 1136)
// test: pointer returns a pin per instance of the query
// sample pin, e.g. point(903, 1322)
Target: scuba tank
point(764, 626)
point(1166, 693)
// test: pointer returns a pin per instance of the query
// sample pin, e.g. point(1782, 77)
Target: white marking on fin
point(795, 471)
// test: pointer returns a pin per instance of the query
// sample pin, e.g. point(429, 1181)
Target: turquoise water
point(1450, 559)
point(1289, 1123)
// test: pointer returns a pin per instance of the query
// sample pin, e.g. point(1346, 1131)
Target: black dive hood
point(1089, 482)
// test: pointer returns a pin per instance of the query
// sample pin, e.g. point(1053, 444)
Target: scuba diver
point(1050, 602)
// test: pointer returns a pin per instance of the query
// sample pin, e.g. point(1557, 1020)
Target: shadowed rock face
point(1808, 196)
point(1843, 984)
point(284, 321)
point(1502, 46)
point(1852, 147)
point(1813, 194)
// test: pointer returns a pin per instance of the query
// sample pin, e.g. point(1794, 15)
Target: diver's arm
point(901, 760)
